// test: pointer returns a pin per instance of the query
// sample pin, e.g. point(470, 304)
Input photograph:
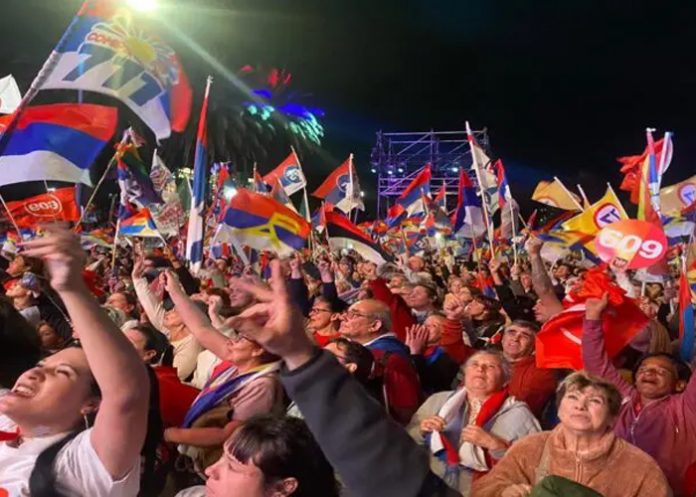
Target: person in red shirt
point(528, 383)
point(368, 322)
point(175, 397)
point(324, 320)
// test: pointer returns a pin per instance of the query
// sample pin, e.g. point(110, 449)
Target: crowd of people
point(325, 374)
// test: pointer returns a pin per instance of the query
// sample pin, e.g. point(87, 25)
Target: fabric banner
point(58, 205)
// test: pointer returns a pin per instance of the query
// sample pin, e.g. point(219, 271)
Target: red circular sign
point(631, 244)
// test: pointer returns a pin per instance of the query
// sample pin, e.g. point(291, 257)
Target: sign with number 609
point(631, 244)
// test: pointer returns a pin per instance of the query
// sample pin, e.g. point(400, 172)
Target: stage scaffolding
point(398, 157)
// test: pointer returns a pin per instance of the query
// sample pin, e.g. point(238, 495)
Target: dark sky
point(563, 87)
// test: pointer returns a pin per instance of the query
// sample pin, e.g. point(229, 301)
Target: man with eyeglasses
point(368, 322)
point(659, 411)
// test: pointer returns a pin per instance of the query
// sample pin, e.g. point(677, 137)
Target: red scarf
point(8, 436)
point(489, 408)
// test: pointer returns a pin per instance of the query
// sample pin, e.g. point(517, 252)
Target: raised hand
point(453, 308)
point(595, 307)
point(416, 338)
point(62, 255)
point(533, 245)
point(274, 322)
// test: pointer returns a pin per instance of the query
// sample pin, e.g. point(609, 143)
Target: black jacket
point(373, 455)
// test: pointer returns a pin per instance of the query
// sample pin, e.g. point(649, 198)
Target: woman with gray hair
point(469, 429)
point(581, 456)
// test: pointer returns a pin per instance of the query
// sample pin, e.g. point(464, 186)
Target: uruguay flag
point(56, 142)
point(262, 223)
point(106, 50)
point(468, 217)
point(194, 237)
point(412, 197)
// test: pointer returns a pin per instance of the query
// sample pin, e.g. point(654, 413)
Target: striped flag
point(194, 238)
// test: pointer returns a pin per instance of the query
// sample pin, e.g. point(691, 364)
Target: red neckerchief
point(9, 436)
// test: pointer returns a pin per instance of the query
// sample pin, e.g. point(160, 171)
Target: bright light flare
point(143, 5)
point(228, 192)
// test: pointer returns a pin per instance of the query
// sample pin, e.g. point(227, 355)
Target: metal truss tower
point(397, 157)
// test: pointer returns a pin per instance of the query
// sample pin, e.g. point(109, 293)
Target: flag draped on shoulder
point(194, 237)
point(262, 223)
point(106, 50)
point(342, 188)
point(345, 235)
point(411, 198)
point(57, 142)
point(289, 173)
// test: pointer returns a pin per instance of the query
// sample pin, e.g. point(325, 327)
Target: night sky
point(564, 87)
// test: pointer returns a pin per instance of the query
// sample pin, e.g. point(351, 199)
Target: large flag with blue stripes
point(106, 50)
point(56, 143)
point(194, 238)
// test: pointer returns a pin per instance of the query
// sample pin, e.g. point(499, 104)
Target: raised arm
point(195, 320)
point(594, 352)
point(121, 423)
point(351, 428)
point(151, 305)
point(540, 278)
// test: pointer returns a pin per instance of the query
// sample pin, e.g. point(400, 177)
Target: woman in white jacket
point(469, 429)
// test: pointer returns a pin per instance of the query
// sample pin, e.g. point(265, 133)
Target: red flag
point(58, 205)
point(631, 169)
point(558, 344)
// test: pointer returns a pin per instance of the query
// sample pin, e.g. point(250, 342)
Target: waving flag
point(289, 173)
point(139, 224)
point(56, 142)
point(259, 185)
point(57, 205)
point(504, 194)
point(105, 50)
point(554, 194)
point(262, 223)
point(468, 216)
point(412, 197)
point(675, 198)
point(9, 95)
point(631, 166)
point(344, 234)
point(342, 188)
point(648, 187)
point(440, 200)
point(134, 178)
point(280, 195)
point(194, 237)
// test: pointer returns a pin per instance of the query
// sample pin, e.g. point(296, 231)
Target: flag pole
point(12, 219)
point(113, 250)
point(305, 198)
point(514, 231)
point(114, 159)
point(572, 197)
point(484, 202)
point(582, 193)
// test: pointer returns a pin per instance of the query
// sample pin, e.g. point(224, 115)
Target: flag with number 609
point(105, 50)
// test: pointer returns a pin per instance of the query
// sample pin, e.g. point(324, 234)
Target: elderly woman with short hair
point(469, 429)
point(580, 455)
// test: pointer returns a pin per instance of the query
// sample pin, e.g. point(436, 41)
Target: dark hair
point(224, 296)
point(683, 369)
point(42, 481)
point(359, 355)
point(20, 344)
point(157, 341)
point(530, 325)
point(335, 305)
point(283, 447)
point(491, 305)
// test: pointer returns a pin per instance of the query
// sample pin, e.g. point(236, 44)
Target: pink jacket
point(665, 429)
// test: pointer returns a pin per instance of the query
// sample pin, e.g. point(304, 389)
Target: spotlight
point(390, 172)
point(362, 194)
point(373, 170)
point(401, 169)
point(454, 169)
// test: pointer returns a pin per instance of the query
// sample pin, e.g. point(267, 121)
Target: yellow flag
point(552, 193)
point(605, 211)
point(675, 198)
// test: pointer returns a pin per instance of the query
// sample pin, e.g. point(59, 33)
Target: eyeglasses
point(352, 313)
point(316, 309)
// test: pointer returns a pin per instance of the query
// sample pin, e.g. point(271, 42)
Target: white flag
point(9, 95)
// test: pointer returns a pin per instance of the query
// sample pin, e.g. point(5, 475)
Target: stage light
point(401, 169)
point(373, 170)
point(362, 194)
point(228, 192)
point(454, 169)
point(390, 172)
point(143, 5)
